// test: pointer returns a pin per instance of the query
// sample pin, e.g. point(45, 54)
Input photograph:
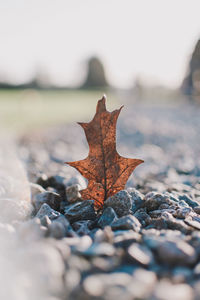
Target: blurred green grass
point(23, 110)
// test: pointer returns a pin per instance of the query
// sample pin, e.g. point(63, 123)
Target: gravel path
point(145, 244)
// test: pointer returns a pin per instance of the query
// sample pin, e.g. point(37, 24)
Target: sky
point(147, 39)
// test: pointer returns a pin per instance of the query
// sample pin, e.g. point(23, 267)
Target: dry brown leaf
point(107, 172)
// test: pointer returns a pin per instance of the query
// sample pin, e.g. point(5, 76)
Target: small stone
point(176, 252)
point(81, 244)
point(72, 279)
point(140, 254)
point(127, 222)
point(197, 270)
point(142, 284)
point(176, 224)
point(166, 290)
point(142, 216)
point(188, 200)
point(105, 235)
point(120, 202)
point(153, 200)
point(197, 210)
point(73, 194)
point(124, 239)
point(51, 198)
point(80, 211)
point(47, 264)
point(36, 189)
point(32, 230)
point(137, 199)
point(81, 227)
point(102, 249)
point(45, 221)
point(193, 223)
point(54, 182)
point(107, 217)
point(106, 264)
point(182, 213)
point(46, 210)
point(43, 180)
point(56, 230)
point(93, 286)
point(181, 274)
point(105, 286)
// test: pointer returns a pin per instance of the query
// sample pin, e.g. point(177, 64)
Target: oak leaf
point(106, 171)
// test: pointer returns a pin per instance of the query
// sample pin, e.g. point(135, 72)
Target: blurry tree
point(41, 79)
point(95, 74)
point(191, 83)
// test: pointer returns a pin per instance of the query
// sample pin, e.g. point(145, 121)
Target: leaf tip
point(83, 125)
point(101, 105)
point(140, 161)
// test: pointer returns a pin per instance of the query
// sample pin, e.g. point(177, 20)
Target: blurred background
point(58, 57)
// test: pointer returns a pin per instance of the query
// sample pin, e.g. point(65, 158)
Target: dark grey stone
point(46, 210)
point(192, 203)
point(81, 227)
point(176, 252)
point(126, 222)
point(107, 217)
point(121, 202)
point(197, 210)
point(142, 216)
point(80, 211)
point(56, 230)
point(51, 198)
point(153, 200)
point(124, 238)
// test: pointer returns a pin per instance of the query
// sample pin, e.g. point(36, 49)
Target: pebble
point(80, 211)
point(176, 252)
point(182, 213)
point(99, 249)
point(51, 198)
point(142, 216)
point(140, 254)
point(189, 201)
point(126, 222)
point(166, 290)
point(142, 284)
point(197, 210)
point(108, 216)
point(137, 199)
point(73, 193)
point(121, 203)
point(46, 210)
point(197, 270)
point(56, 230)
point(193, 223)
point(153, 200)
point(124, 238)
point(182, 274)
point(81, 227)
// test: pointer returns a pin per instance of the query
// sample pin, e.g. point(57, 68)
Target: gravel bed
point(145, 244)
